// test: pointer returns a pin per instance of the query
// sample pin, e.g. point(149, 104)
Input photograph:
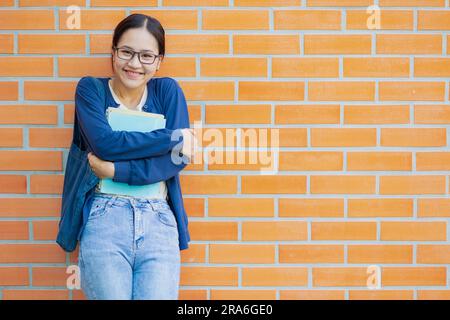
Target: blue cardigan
point(139, 157)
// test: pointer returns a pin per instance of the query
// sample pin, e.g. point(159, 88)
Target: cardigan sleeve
point(162, 167)
point(112, 145)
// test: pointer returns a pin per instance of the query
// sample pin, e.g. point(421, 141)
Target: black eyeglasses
point(145, 57)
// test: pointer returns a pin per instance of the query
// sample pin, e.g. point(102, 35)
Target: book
point(131, 120)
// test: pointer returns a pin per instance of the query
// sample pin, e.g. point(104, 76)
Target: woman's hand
point(102, 169)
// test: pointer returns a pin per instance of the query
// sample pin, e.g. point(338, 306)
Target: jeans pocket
point(99, 207)
point(166, 216)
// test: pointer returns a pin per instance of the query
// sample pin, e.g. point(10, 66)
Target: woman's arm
point(112, 145)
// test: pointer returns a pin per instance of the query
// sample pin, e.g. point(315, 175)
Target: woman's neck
point(129, 97)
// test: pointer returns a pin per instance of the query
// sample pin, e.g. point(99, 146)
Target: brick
point(312, 295)
point(341, 90)
point(358, 208)
point(343, 137)
point(353, 3)
point(29, 294)
point(27, 20)
point(434, 254)
point(233, 67)
point(13, 183)
point(79, 67)
point(309, 253)
point(46, 3)
point(413, 137)
point(235, 20)
point(14, 276)
point(324, 207)
point(376, 114)
point(339, 277)
point(432, 114)
point(432, 161)
point(412, 91)
point(379, 161)
point(195, 253)
point(239, 207)
point(414, 276)
point(30, 207)
point(9, 90)
point(31, 160)
point(350, 184)
point(197, 43)
point(311, 161)
point(307, 20)
point(26, 67)
point(210, 276)
point(433, 294)
point(231, 253)
point(433, 207)
point(31, 253)
point(45, 230)
point(241, 160)
point(279, 276)
point(208, 90)
point(213, 230)
point(389, 19)
point(46, 184)
point(418, 184)
point(343, 230)
point(6, 43)
point(305, 67)
point(211, 184)
point(376, 67)
point(11, 137)
point(413, 231)
point(273, 184)
point(50, 276)
point(408, 44)
point(123, 3)
point(51, 44)
point(307, 114)
point(381, 294)
point(337, 44)
point(234, 114)
point(412, 3)
point(271, 90)
point(432, 67)
point(50, 137)
point(49, 90)
point(266, 44)
point(274, 231)
point(266, 3)
point(240, 294)
point(29, 114)
point(433, 20)
point(380, 254)
point(14, 230)
point(209, 3)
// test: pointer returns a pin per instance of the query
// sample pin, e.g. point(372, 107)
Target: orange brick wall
point(363, 166)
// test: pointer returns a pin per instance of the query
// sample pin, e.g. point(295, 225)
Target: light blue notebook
point(130, 120)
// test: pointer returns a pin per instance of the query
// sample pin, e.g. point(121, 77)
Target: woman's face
point(136, 40)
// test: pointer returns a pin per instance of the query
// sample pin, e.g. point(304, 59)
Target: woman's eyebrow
point(135, 50)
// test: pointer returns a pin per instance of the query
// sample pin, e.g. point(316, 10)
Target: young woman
point(130, 247)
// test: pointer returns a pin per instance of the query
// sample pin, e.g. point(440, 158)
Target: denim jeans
point(129, 250)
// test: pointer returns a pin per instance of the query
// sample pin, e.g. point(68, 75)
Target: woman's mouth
point(132, 74)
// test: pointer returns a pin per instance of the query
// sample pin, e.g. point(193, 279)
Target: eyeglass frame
point(134, 53)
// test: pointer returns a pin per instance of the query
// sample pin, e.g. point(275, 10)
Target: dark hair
point(139, 20)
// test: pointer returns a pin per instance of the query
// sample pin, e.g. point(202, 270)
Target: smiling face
point(137, 39)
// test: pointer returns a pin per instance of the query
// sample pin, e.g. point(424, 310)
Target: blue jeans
point(129, 250)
